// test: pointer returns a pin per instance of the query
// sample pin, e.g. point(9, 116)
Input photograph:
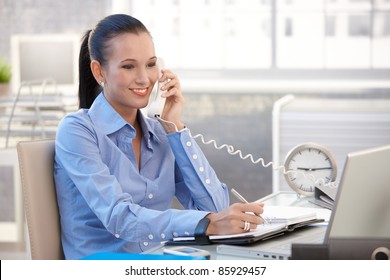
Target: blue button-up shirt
point(107, 203)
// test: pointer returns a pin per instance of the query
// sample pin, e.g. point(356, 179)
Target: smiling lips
point(140, 91)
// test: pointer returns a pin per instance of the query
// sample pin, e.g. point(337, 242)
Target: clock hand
point(313, 169)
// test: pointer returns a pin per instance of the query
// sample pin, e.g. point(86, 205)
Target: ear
point(97, 71)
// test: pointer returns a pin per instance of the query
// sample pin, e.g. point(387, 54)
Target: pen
point(242, 199)
point(239, 196)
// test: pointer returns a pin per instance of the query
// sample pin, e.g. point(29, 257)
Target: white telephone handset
point(156, 102)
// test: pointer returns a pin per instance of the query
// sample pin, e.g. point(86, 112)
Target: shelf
point(34, 112)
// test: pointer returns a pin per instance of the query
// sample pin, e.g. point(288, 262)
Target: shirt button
point(150, 196)
point(187, 233)
point(117, 235)
point(188, 144)
point(201, 169)
point(150, 236)
point(194, 156)
point(146, 244)
point(162, 235)
point(207, 181)
point(175, 234)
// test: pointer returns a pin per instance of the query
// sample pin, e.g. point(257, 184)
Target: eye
point(152, 64)
point(128, 66)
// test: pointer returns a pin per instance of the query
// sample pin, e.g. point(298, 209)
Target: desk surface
point(283, 198)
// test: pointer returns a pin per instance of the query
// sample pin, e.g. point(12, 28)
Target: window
point(266, 34)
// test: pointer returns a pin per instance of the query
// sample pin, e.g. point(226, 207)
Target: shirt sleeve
point(199, 178)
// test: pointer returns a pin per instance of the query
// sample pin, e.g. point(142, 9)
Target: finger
point(173, 91)
point(253, 226)
point(255, 208)
point(253, 219)
point(246, 226)
point(167, 75)
point(249, 226)
point(170, 83)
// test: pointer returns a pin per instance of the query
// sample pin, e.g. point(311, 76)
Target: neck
point(130, 117)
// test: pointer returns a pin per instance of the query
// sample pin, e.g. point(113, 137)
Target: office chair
point(36, 163)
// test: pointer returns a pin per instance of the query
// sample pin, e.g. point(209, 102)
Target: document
point(278, 220)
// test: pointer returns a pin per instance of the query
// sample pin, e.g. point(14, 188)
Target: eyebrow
point(132, 59)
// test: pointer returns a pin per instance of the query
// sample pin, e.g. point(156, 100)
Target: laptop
point(359, 226)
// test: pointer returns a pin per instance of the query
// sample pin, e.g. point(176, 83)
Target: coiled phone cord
point(232, 151)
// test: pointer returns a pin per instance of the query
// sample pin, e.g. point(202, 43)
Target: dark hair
point(95, 46)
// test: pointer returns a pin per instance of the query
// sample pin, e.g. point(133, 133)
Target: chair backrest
point(36, 163)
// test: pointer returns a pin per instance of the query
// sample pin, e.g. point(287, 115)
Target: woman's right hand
point(232, 219)
point(174, 102)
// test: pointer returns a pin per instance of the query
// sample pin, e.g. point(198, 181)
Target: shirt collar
point(151, 128)
point(101, 111)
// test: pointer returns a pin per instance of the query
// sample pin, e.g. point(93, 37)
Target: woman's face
point(130, 72)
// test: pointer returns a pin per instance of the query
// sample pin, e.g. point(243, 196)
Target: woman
point(116, 171)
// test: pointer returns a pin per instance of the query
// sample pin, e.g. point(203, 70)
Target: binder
point(324, 196)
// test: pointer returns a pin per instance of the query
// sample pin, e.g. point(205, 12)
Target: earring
point(101, 83)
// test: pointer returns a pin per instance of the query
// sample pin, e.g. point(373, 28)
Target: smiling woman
point(117, 171)
point(128, 81)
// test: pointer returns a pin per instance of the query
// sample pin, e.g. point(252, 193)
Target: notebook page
point(287, 214)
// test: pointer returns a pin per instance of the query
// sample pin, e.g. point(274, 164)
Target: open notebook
point(278, 219)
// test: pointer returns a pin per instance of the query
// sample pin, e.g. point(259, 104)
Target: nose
point(142, 77)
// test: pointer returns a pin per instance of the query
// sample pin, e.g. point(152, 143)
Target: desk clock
point(309, 165)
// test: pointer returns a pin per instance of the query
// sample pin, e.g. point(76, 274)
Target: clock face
point(309, 165)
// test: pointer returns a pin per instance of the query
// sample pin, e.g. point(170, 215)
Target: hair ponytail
point(88, 87)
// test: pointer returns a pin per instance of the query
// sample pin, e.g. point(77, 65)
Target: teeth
point(140, 90)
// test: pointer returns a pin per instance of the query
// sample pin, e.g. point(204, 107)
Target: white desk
point(284, 198)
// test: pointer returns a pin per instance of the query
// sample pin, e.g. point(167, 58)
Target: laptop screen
point(362, 208)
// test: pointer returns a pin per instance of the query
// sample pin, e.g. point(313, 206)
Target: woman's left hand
point(174, 102)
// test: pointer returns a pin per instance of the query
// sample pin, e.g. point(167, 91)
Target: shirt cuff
point(169, 127)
